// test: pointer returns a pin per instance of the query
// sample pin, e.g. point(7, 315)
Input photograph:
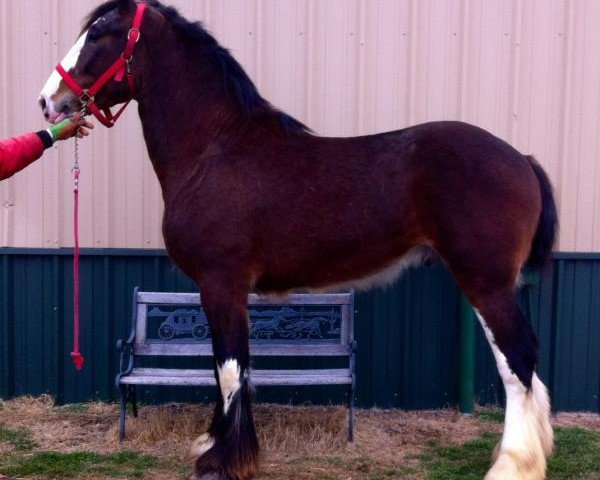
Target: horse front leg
point(229, 450)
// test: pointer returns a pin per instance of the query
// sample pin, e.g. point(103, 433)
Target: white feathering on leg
point(201, 445)
point(229, 379)
point(527, 437)
point(542, 401)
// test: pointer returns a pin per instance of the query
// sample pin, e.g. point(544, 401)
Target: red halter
point(116, 71)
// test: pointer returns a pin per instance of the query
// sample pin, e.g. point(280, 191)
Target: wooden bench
point(174, 324)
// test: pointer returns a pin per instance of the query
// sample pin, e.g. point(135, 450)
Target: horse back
point(305, 210)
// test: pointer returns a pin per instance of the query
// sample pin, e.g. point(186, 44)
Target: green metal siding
point(576, 361)
point(407, 333)
point(407, 337)
point(564, 308)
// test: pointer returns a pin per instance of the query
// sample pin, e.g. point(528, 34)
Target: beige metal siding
point(527, 70)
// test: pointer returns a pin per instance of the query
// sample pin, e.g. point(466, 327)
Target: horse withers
point(255, 201)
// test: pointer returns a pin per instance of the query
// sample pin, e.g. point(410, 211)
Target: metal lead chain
point(75, 169)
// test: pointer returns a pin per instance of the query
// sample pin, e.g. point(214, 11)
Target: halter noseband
point(116, 71)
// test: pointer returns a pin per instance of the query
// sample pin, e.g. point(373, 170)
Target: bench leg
point(351, 414)
point(123, 401)
point(132, 397)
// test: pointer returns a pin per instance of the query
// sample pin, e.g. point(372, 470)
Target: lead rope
point(78, 359)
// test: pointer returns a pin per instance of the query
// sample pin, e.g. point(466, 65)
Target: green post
point(466, 394)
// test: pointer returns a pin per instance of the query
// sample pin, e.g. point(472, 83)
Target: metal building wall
point(407, 334)
point(528, 70)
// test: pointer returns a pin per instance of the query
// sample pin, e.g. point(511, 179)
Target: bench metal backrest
point(299, 325)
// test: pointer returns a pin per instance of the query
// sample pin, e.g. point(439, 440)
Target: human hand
point(77, 125)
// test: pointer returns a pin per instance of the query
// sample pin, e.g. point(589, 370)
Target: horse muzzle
point(58, 107)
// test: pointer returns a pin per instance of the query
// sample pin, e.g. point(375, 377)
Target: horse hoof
point(208, 476)
point(512, 466)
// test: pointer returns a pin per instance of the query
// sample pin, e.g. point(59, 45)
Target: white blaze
point(70, 60)
point(229, 379)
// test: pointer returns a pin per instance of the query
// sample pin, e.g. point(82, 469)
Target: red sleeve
point(18, 152)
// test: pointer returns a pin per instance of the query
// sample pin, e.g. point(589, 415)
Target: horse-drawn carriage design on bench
point(181, 322)
point(270, 324)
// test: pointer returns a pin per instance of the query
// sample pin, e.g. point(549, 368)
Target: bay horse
point(256, 201)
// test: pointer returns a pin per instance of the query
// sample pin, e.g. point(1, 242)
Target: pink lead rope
point(78, 359)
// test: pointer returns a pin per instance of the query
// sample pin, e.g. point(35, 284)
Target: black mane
point(195, 35)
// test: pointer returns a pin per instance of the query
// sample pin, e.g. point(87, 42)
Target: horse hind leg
point(527, 439)
point(229, 450)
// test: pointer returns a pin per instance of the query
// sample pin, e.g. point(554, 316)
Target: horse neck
point(183, 109)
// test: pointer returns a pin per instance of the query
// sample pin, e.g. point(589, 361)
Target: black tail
point(543, 242)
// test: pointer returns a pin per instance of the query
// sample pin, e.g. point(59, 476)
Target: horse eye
point(93, 35)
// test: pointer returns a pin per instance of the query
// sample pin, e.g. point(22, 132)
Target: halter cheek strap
point(116, 71)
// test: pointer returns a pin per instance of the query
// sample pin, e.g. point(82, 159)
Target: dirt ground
point(298, 443)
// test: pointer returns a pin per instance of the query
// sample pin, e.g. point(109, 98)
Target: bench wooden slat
point(205, 349)
point(190, 377)
point(172, 298)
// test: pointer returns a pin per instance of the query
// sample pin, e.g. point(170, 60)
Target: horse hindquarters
point(229, 450)
point(488, 274)
point(486, 241)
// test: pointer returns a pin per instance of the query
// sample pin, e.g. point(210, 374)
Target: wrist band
point(46, 138)
point(54, 130)
point(49, 131)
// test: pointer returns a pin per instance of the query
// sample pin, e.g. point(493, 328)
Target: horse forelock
point(99, 12)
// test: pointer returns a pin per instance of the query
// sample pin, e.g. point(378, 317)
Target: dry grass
point(581, 420)
point(298, 442)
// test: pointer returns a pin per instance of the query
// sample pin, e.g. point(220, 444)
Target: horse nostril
point(43, 104)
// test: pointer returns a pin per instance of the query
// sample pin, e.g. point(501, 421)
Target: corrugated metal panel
point(404, 360)
point(526, 70)
point(407, 343)
point(577, 335)
point(407, 334)
point(564, 309)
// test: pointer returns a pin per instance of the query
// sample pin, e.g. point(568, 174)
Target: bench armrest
point(125, 347)
point(133, 318)
point(126, 357)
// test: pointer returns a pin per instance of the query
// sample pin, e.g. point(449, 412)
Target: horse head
point(94, 70)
